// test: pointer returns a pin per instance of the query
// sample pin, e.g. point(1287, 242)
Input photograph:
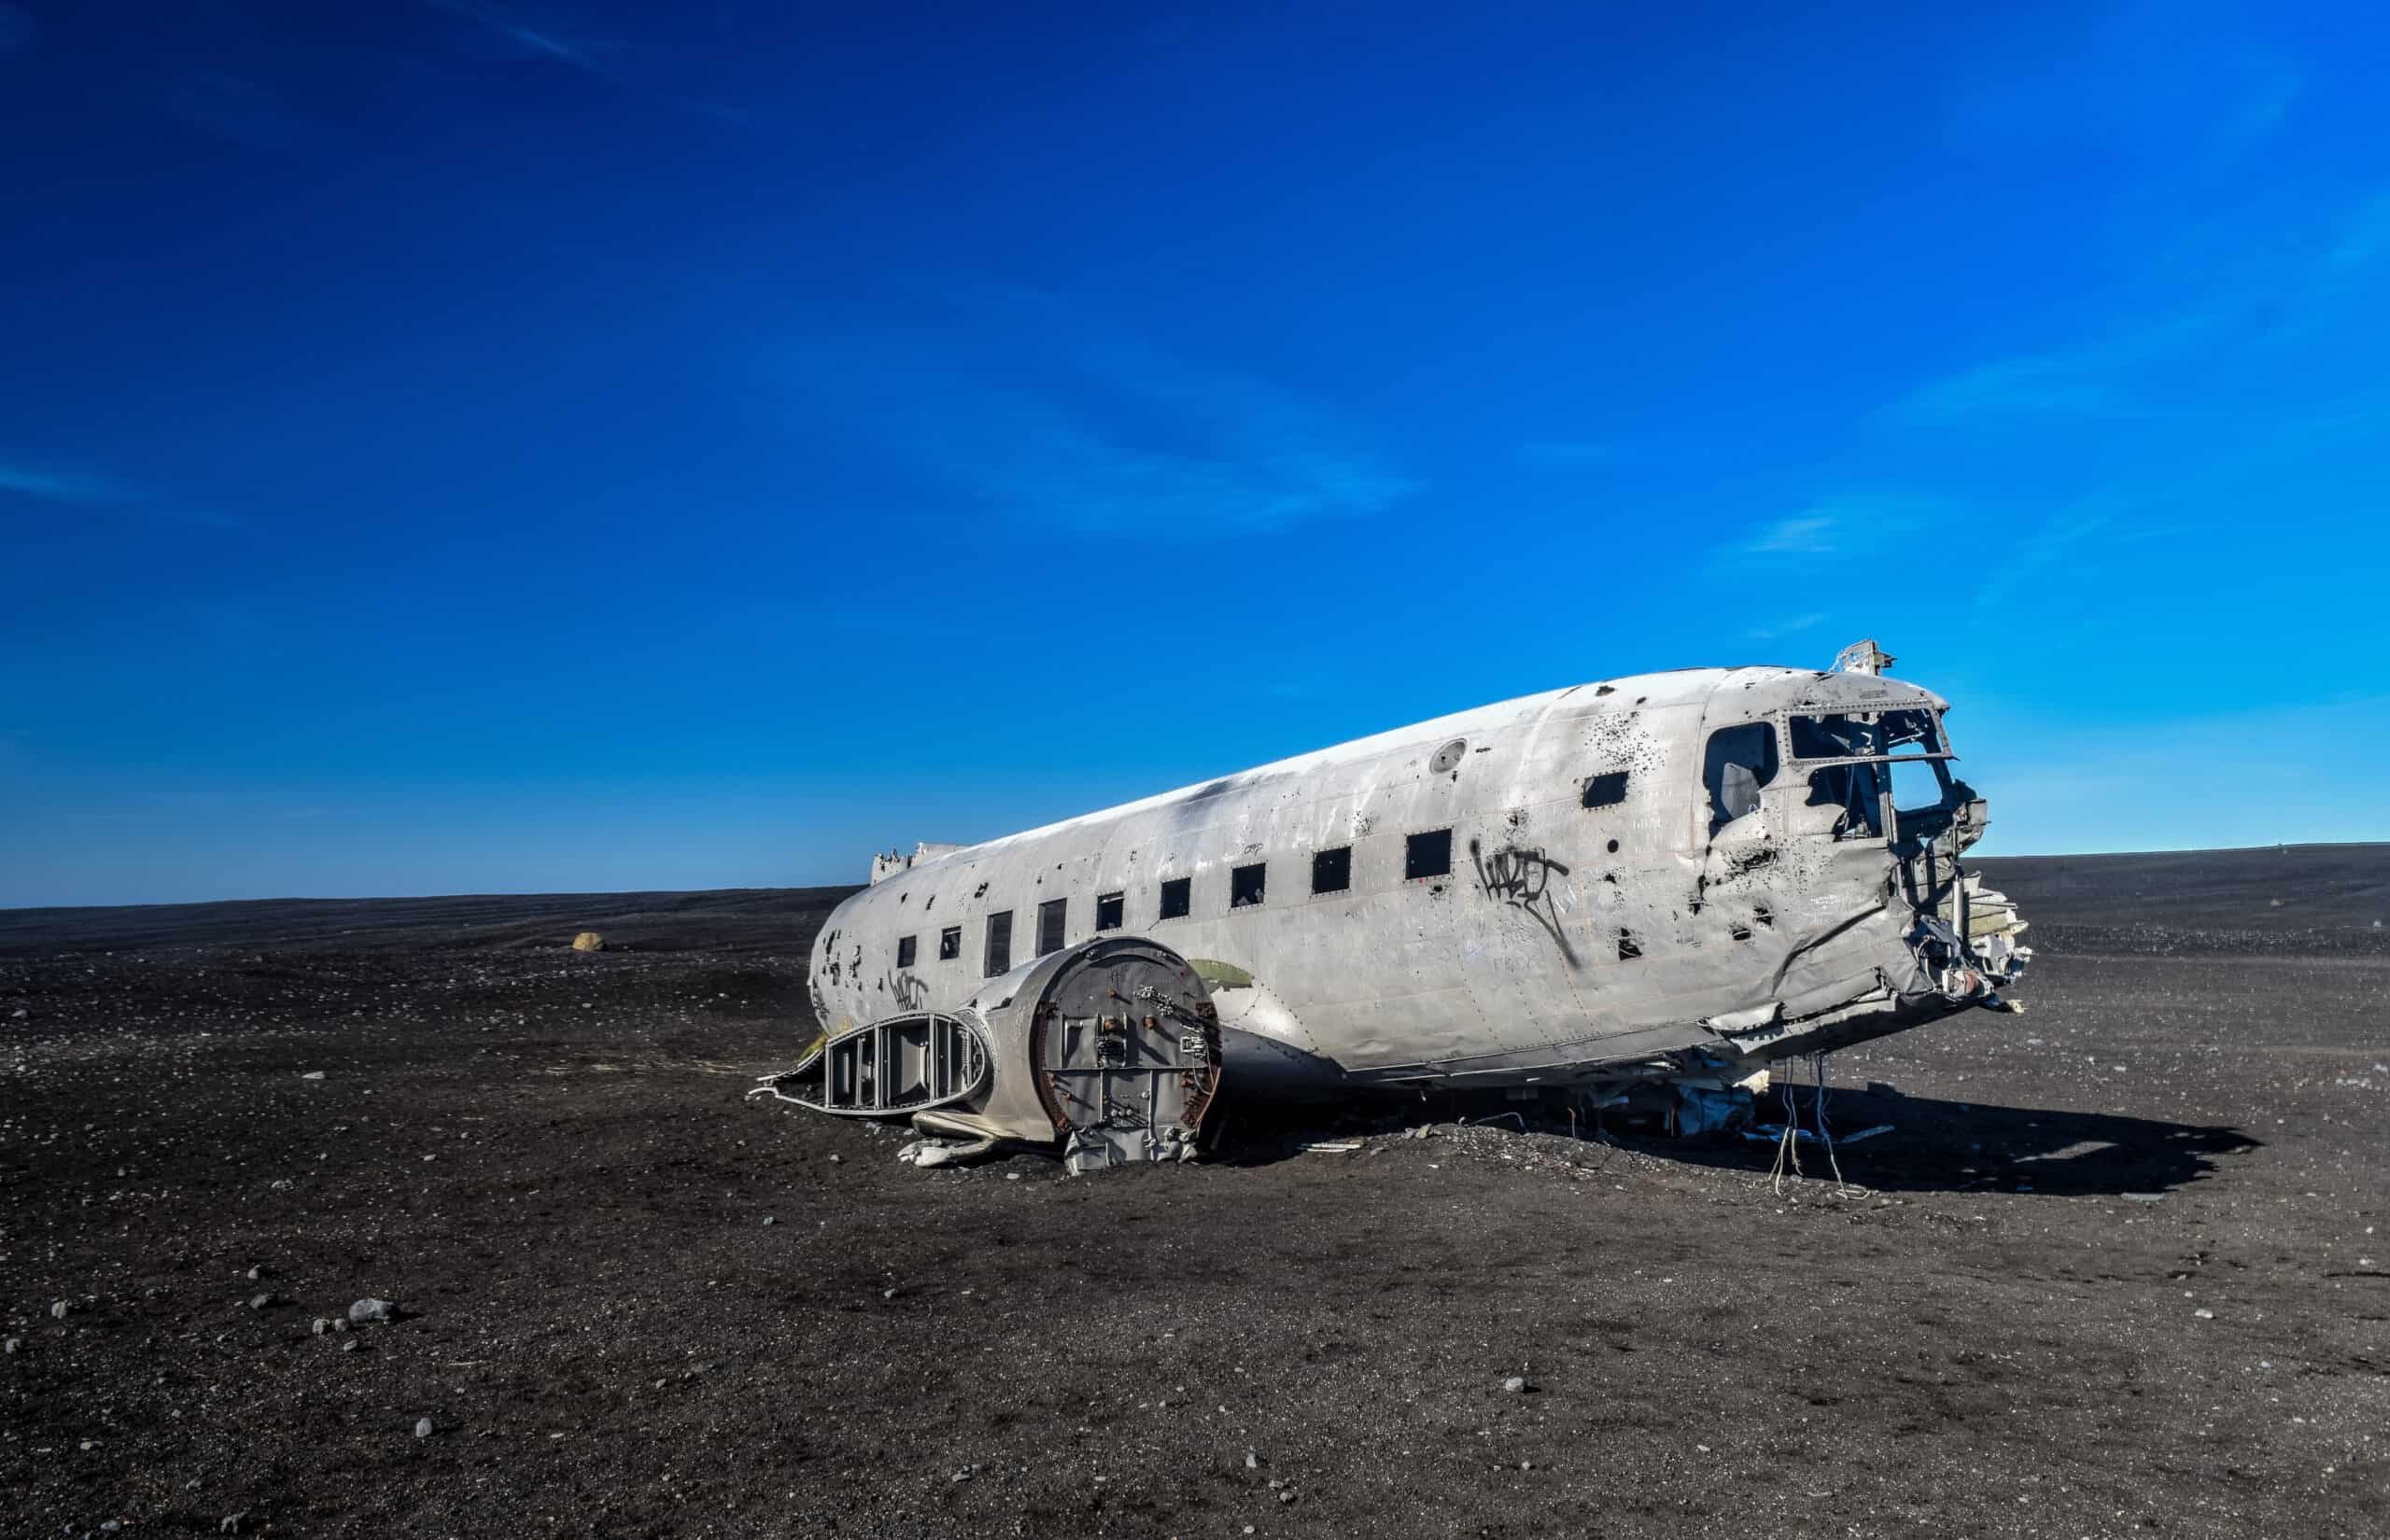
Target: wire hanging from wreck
point(1825, 1136)
point(1788, 1141)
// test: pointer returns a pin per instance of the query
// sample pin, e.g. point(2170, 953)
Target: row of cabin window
point(1427, 855)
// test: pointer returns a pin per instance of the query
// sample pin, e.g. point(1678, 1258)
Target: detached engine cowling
point(1111, 1047)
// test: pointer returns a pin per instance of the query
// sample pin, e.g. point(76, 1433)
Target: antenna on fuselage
point(1863, 657)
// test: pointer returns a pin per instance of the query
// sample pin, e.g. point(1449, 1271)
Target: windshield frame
point(1870, 718)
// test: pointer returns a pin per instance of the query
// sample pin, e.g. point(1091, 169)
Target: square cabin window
point(949, 944)
point(1427, 855)
point(1245, 885)
point(999, 952)
point(1332, 871)
point(1050, 925)
point(904, 951)
point(1109, 909)
point(1176, 895)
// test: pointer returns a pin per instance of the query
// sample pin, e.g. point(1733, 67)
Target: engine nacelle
point(1111, 1047)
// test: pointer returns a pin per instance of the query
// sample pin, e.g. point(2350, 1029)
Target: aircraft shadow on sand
point(1934, 1145)
point(1931, 1145)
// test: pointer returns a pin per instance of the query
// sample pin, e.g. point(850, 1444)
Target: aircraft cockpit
point(1885, 773)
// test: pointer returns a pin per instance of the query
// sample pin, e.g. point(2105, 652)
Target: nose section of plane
point(1969, 942)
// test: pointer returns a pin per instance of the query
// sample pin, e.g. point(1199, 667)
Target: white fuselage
point(1590, 908)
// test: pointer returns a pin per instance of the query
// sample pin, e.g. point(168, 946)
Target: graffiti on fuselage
point(911, 990)
point(1521, 878)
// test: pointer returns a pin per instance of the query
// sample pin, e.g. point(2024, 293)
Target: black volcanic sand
point(2122, 1268)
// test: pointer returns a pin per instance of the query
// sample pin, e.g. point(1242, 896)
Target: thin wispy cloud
point(1094, 433)
point(1805, 534)
point(583, 54)
point(2059, 540)
point(1785, 629)
point(2299, 293)
point(2154, 80)
point(86, 492)
point(75, 488)
point(2365, 238)
point(2038, 384)
point(1833, 526)
point(2096, 378)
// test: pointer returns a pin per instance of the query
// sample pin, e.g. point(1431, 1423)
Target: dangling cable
point(1825, 1136)
point(1788, 1144)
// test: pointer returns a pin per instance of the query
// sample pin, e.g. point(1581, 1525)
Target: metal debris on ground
point(928, 1152)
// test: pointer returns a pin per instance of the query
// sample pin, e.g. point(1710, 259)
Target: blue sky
point(472, 446)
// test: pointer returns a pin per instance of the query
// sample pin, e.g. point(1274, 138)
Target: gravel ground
point(2121, 1268)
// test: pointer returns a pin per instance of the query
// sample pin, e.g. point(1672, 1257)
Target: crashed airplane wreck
point(1642, 891)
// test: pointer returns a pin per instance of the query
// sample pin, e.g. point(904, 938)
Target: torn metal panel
point(888, 865)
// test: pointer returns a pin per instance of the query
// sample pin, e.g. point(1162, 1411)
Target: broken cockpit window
point(1904, 734)
point(1906, 747)
point(1740, 760)
point(1858, 790)
point(1920, 786)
